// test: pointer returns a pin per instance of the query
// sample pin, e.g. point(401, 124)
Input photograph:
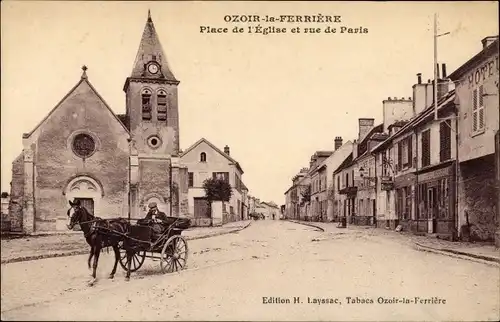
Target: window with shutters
point(477, 110)
point(405, 153)
point(162, 105)
point(191, 179)
point(426, 148)
point(445, 141)
point(146, 104)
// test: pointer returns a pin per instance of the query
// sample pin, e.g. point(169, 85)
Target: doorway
point(431, 209)
point(374, 212)
point(87, 203)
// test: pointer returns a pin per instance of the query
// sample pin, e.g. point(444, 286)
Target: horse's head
point(75, 213)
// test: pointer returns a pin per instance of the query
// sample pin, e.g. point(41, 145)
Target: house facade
point(341, 153)
point(272, 211)
point(477, 99)
point(293, 195)
point(203, 161)
point(385, 155)
point(345, 196)
point(319, 194)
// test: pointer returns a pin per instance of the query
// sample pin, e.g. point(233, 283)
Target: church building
point(114, 164)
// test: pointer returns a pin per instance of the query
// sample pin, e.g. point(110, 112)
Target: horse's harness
point(93, 226)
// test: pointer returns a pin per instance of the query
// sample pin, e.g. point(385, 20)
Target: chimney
point(226, 150)
point(419, 98)
point(437, 71)
point(442, 84)
point(365, 125)
point(338, 142)
point(488, 41)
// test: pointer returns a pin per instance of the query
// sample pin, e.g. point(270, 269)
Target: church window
point(162, 105)
point(146, 104)
point(83, 145)
point(154, 142)
point(203, 157)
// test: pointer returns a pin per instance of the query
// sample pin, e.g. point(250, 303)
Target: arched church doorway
point(88, 191)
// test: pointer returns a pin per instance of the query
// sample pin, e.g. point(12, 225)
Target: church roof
point(151, 49)
point(216, 149)
point(83, 79)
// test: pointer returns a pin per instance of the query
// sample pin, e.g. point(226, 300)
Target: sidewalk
point(72, 242)
point(476, 251)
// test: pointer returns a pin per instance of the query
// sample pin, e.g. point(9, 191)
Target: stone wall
point(478, 193)
point(16, 195)
point(497, 160)
point(154, 182)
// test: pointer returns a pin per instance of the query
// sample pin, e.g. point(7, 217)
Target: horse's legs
point(117, 256)
point(91, 254)
point(130, 255)
point(97, 252)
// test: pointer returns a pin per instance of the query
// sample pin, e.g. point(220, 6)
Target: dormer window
point(203, 157)
point(161, 100)
point(146, 104)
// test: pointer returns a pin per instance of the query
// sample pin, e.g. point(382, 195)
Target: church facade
point(115, 164)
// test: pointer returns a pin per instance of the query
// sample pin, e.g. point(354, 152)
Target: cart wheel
point(174, 254)
point(137, 260)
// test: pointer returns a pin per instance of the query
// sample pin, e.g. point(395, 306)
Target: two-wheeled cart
point(159, 241)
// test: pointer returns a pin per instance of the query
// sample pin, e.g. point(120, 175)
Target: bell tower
point(151, 98)
point(153, 117)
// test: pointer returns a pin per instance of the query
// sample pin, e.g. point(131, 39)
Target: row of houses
point(428, 168)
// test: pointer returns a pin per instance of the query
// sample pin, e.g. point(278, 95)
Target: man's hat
point(76, 202)
point(152, 205)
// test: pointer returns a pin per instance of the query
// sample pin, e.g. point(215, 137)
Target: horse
point(98, 234)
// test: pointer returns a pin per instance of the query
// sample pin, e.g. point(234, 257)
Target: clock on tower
point(153, 68)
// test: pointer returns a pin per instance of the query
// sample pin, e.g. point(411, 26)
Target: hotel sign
point(483, 72)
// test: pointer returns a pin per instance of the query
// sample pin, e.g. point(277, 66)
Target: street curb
point(307, 224)
point(81, 252)
point(461, 255)
point(219, 233)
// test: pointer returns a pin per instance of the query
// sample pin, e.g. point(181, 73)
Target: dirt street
point(355, 277)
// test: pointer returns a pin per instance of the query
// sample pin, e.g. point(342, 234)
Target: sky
point(275, 99)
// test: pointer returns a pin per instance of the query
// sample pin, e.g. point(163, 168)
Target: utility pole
point(436, 66)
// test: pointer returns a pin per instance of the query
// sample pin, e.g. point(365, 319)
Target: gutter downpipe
point(457, 176)
point(417, 199)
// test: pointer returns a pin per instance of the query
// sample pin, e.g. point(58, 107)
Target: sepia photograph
point(250, 161)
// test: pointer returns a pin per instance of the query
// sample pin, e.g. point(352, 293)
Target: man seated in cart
point(158, 218)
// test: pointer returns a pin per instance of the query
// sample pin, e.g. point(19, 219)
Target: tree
point(306, 195)
point(217, 190)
